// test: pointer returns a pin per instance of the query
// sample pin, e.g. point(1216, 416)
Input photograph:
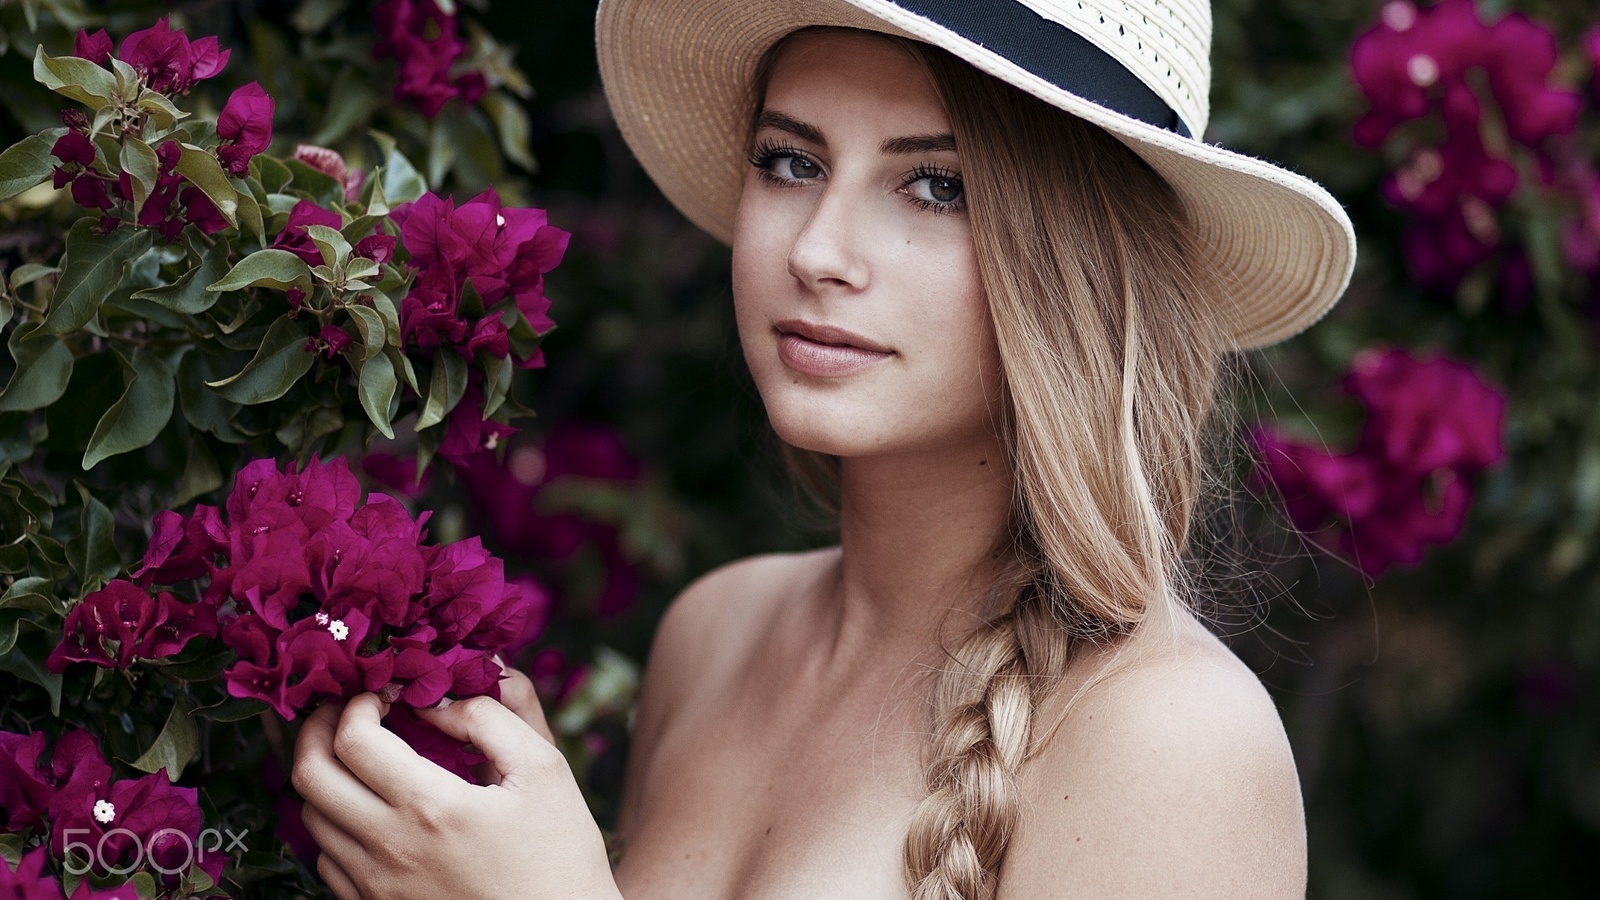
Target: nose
point(829, 250)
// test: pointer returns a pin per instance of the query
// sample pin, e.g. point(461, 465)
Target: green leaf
point(93, 268)
point(28, 273)
point(203, 407)
point(35, 594)
point(190, 294)
point(277, 269)
point(201, 474)
point(250, 217)
point(44, 363)
point(443, 150)
point(161, 111)
point(273, 175)
point(498, 377)
point(79, 79)
point(373, 333)
point(391, 316)
point(11, 847)
point(449, 382)
point(140, 162)
point(513, 126)
point(233, 709)
point(401, 181)
point(93, 554)
point(178, 743)
point(325, 189)
point(27, 656)
point(143, 410)
point(334, 248)
point(279, 363)
point(28, 162)
point(377, 390)
point(311, 16)
point(204, 172)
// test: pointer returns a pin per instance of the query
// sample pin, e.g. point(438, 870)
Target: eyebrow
point(899, 146)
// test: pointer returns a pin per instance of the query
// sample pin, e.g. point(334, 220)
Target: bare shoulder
point(701, 641)
point(1171, 777)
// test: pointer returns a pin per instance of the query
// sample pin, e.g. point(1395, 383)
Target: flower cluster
point(166, 60)
point(1431, 425)
point(421, 37)
point(323, 596)
point(75, 800)
point(1429, 64)
point(503, 253)
point(120, 623)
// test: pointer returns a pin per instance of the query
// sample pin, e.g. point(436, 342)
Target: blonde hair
point(1110, 360)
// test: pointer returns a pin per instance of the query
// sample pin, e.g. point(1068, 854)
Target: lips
point(826, 351)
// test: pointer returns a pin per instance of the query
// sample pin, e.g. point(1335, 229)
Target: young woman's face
point(855, 284)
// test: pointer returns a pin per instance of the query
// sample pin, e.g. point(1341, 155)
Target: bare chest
point(742, 801)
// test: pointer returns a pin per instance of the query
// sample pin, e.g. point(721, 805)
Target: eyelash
point(765, 153)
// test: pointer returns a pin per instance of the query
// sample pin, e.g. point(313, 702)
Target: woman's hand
point(394, 826)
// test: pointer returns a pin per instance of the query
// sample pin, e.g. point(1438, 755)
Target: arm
point(393, 825)
point(1169, 780)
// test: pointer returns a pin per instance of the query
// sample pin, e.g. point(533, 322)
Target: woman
point(986, 308)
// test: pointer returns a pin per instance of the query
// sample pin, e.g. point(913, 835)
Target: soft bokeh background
point(1444, 714)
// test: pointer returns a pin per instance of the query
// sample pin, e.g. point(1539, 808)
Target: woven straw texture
point(678, 76)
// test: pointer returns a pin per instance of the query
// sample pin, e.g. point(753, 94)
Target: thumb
point(512, 746)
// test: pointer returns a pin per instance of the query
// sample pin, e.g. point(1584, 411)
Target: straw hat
point(678, 76)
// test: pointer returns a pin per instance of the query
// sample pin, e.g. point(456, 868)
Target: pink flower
point(504, 253)
point(169, 62)
point(96, 47)
point(396, 473)
point(245, 126)
point(467, 431)
point(25, 790)
point(122, 622)
point(1431, 426)
point(1423, 416)
point(421, 37)
point(1413, 57)
point(326, 596)
point(146, 822)
point(293, 236)
point(74, 148)
point(330, 341)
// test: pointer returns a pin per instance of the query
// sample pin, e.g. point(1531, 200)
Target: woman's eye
point(940, 190)
point(790, 167)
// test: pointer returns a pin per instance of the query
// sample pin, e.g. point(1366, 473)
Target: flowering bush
point(192, 300)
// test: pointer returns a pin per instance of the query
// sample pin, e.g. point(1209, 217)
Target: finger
point(321, 778)
point(336, 879)
point(498, 733)
point(518, 695)
point(383, 761)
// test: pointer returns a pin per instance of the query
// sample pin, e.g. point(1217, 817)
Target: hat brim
point(678, 75)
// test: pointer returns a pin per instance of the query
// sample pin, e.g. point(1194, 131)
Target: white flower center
point(1399, 15)
point(338, 629)
point(104, 812)
point(1423, 69)
point(323, 618)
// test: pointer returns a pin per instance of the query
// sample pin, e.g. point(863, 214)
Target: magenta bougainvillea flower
point(76, 799)
point(505, 252)
point(163, 56)
point(24, 791)
point(245, 126)
point(1418, 63)
point(122, 622)
point(293, 237)
point(421, 37)
point(1431, 425)
point(323, 595)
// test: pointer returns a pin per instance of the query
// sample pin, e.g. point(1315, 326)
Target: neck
point(918, 538)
